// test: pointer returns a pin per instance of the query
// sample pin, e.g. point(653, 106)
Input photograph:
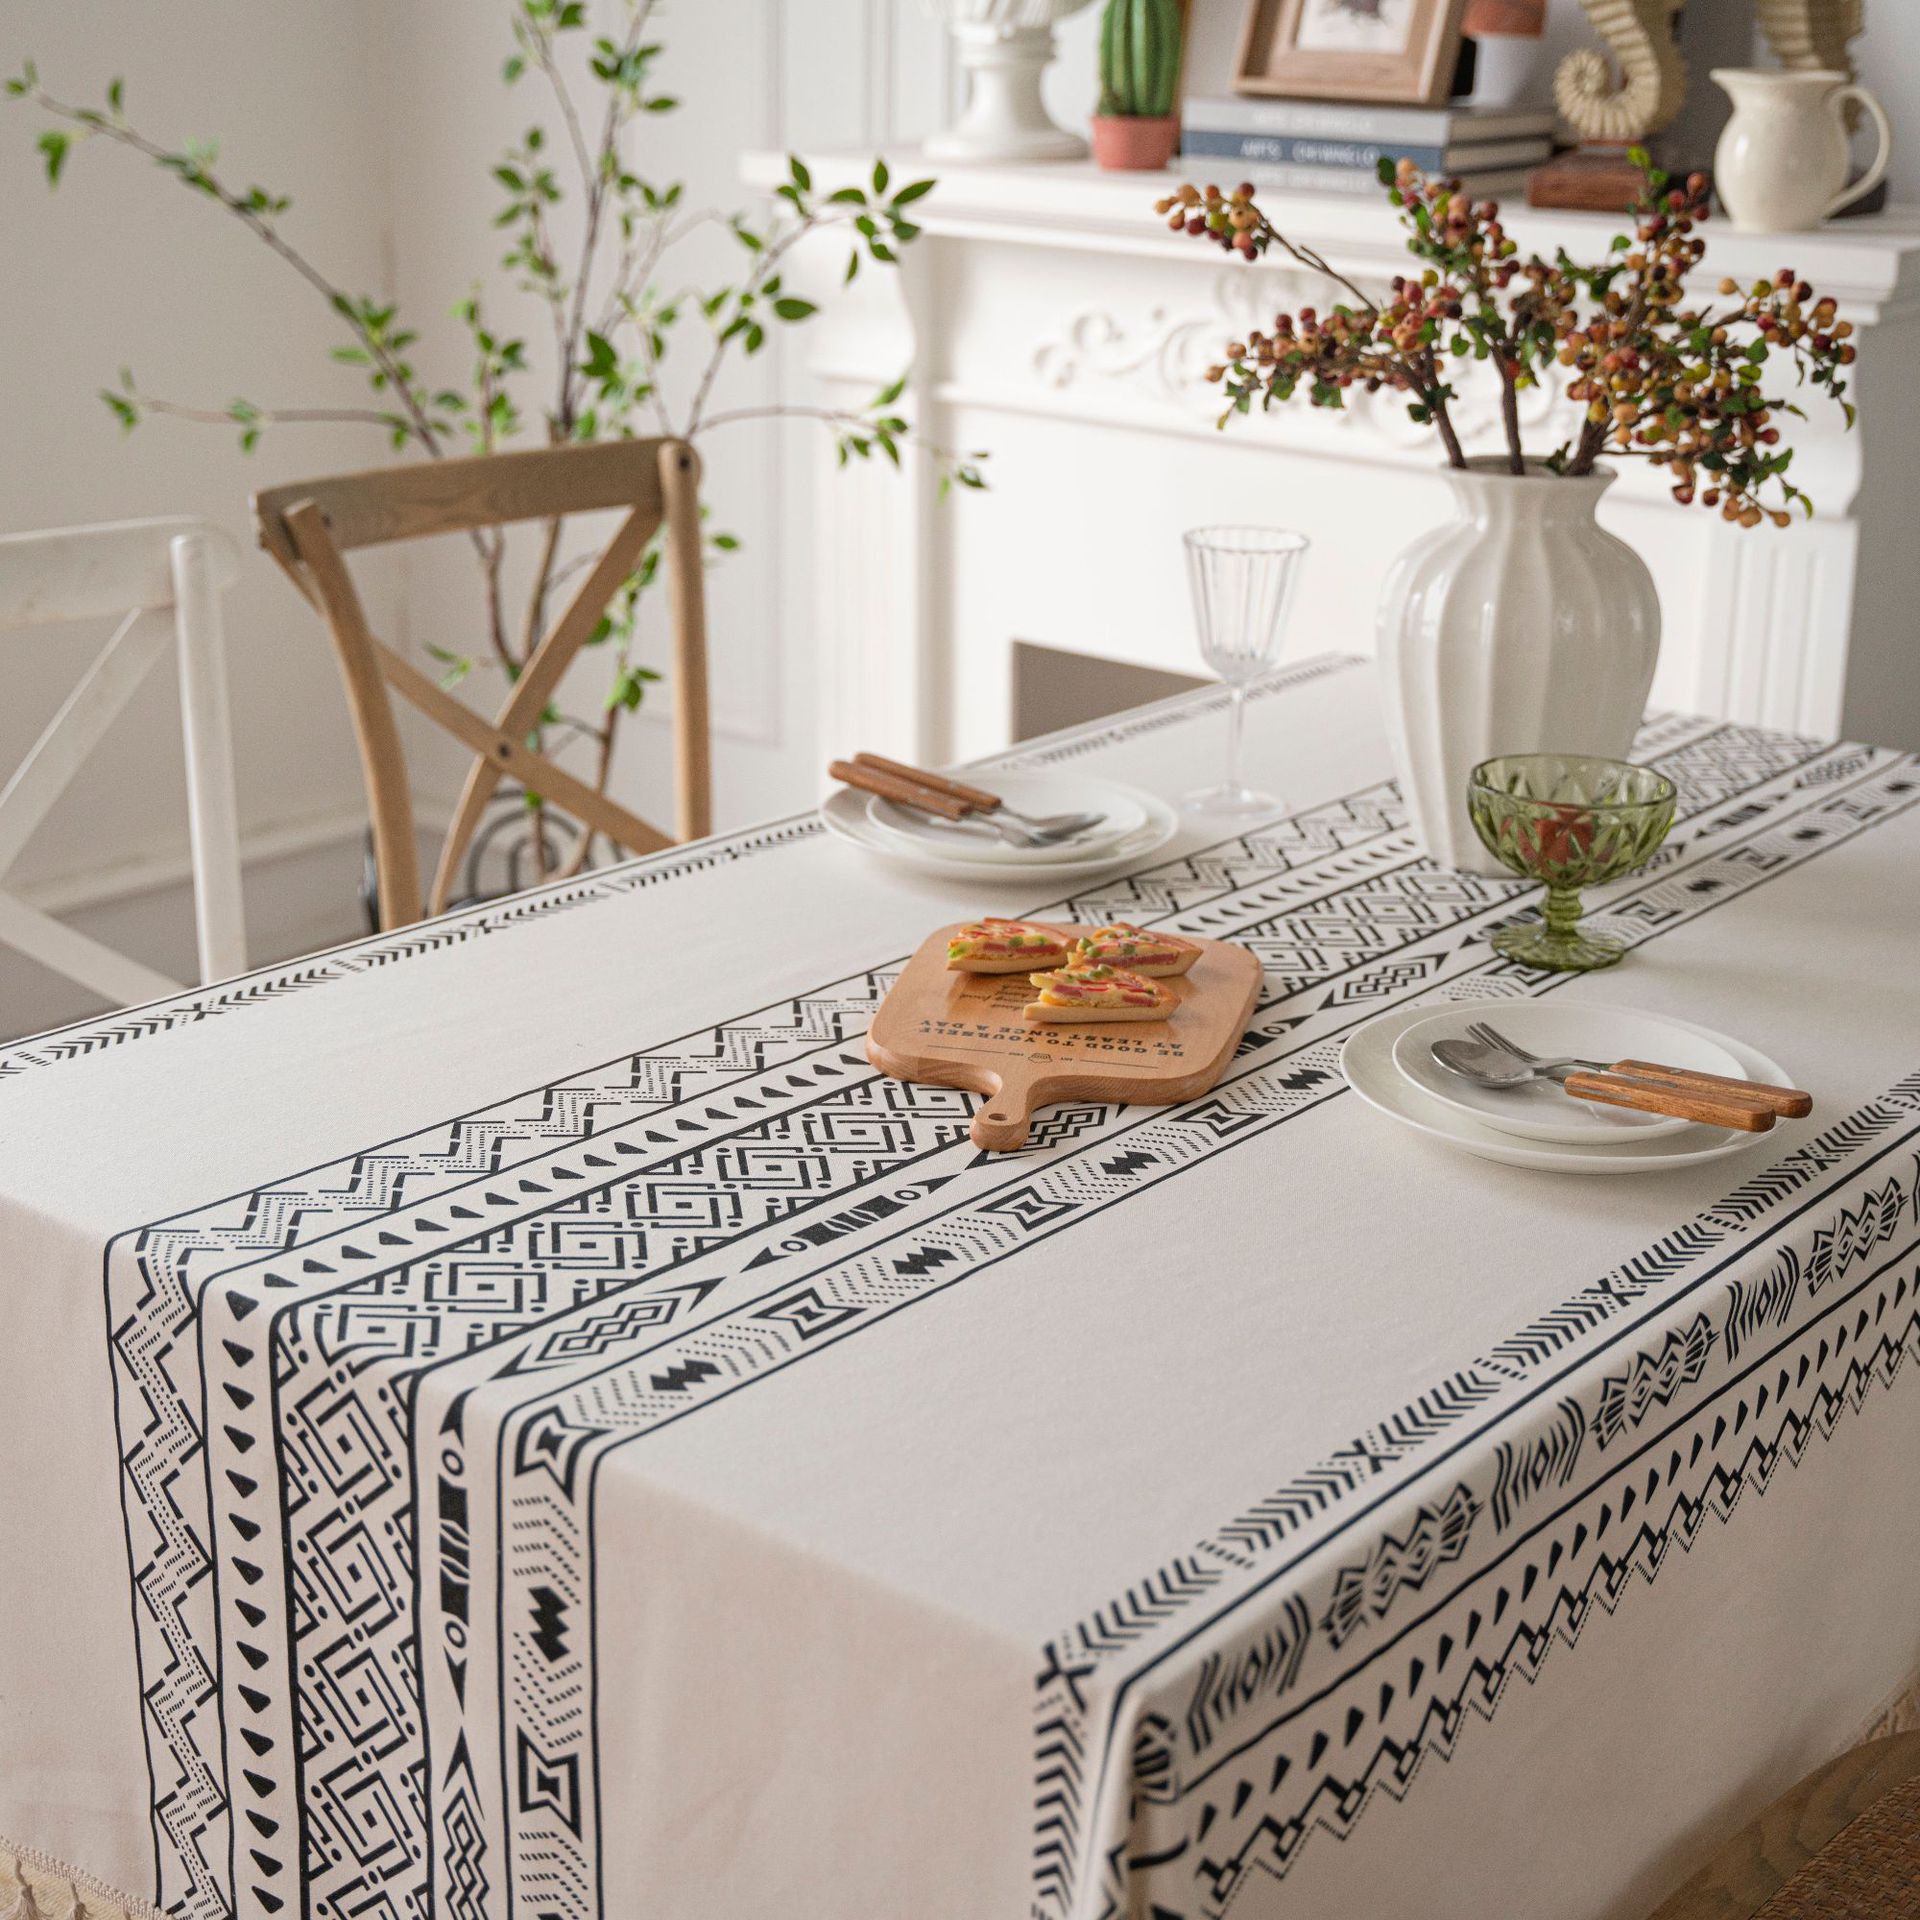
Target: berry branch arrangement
point(1697, 388)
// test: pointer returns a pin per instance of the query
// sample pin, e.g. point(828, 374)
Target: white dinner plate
point(1367, 1062)
point(844, 813)
point(1558, 1029)
point(1035, 794)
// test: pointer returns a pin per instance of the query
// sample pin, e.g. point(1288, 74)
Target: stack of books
point(1313, 146)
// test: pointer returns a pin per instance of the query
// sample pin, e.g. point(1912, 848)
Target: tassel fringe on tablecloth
point(35, 1886)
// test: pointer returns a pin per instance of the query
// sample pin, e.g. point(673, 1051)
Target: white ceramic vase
point(1781, 165)
point(1520, 626)
point(1005, 47)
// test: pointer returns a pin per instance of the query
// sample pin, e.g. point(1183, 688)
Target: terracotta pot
point(1525, 18)
point(1130, 144)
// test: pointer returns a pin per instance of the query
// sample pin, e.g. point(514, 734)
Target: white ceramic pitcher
point(1781, 165)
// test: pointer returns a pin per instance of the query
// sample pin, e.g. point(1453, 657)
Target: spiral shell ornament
point(1812, 34)
point(1651, 82)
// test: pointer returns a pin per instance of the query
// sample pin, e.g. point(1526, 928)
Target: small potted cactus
point(1136, 129)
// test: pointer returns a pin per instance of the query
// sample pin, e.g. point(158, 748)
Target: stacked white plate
point(1133, 826)
point(1389, 1063)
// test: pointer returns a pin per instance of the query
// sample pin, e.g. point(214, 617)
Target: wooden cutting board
point(965, 1030)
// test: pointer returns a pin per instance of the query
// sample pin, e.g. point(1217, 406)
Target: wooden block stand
point(1595, 178)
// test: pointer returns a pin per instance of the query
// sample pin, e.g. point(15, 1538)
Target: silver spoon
point(1499, 1069)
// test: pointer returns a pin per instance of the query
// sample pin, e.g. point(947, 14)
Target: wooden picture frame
point(1416, 72)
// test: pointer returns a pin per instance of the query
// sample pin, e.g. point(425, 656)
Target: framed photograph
point(1400, 50)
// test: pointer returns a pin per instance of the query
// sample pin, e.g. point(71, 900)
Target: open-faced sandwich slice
point(1151, 955)
point(1005, 946)
point(1076, 994)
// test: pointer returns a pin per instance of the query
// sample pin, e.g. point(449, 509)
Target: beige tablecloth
point(517, 1416)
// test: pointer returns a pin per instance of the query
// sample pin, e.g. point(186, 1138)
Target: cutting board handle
point(1006, 1114)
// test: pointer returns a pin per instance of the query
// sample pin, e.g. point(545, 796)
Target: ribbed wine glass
point(1242, 580)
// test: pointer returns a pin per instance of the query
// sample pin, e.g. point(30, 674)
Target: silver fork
point(1489, 1036)
point(945, 807)
point(1789, 1102)
point(1487, 1065)
point(981, 803)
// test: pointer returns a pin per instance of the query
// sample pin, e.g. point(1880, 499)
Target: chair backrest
point(165, 578)
point(310, 528)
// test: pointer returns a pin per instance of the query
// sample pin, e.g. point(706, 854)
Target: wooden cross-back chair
point(311, 526)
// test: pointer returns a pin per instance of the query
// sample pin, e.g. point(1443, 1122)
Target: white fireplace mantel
point(1049, 318)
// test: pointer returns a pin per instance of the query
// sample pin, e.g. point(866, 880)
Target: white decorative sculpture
point(1652, 79)
point(1004, 48)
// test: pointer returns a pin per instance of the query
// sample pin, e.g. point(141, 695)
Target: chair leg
point(686, 582)
point(212, 812)
point(381, 760)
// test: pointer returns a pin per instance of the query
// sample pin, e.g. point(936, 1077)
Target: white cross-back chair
point(166, 578)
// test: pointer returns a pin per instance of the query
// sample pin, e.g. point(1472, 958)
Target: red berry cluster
point(1680, 386)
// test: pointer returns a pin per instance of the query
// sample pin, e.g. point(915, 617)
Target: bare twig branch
point(840, 418)
point(1510, 418)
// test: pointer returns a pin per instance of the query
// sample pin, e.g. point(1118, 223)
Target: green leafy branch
point(859, 435)
point(372, 323)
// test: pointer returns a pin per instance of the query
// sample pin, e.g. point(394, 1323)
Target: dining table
point(517, 1417)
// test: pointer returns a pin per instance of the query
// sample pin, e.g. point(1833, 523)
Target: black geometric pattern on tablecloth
point(1858, 1230)
point(364, 1840)
point(1399, 1439)
point(1367, 1590)
point(1232, 1683)
point(1763, 1302)
point(1652, 1380)
point(538, 903)
point(725, 1352)
point(156, 1277)
point(1319, 1768)
point(621, 1243)
point(1530, 1467)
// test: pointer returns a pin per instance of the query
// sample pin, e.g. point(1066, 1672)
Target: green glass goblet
point(1568, 821)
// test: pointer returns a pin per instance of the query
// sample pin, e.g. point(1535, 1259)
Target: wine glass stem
point(1236, 718)
point(1562, 910)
